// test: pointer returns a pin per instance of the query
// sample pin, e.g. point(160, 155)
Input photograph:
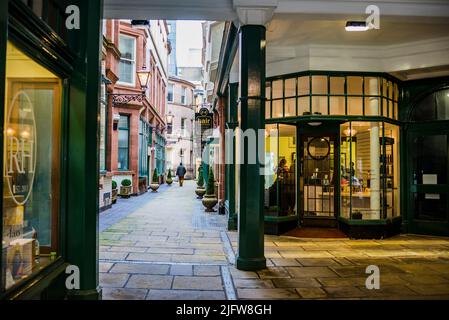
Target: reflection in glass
point(280, 166)
point(31, 167)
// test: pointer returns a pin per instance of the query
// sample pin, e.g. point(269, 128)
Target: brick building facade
point(132, 142)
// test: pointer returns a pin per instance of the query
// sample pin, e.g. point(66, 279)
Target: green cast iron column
point(230, 161)
point(251, 116)
point(82, 201)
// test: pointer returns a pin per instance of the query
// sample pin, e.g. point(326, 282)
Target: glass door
point(429, 181)
point(318, 178)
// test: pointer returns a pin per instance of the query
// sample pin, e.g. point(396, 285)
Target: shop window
point(337, 105)
point(355, 106)
point(280, 168)
point(319, 84)
point(303, 85)
point(319, 105)
point(290, 107)
point(303, 106)
point(372, 86)
point(277, 109)
point(390, 170)
point(123, 143)
point(368, 161)
point(127, 66)
point(372, 106)
point(32, 175)
point(268, 109)
point(278, 89)
point(290, 88)
point(355, 85)
point(334, 95)
point(337, 85)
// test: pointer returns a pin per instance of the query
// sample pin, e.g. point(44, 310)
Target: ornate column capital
point(250, 12)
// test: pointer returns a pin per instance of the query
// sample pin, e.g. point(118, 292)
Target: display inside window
point(31, 180)
point(280, 170)
point(369, 164)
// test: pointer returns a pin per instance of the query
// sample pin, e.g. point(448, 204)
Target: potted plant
point(357, 215)
point(210, 199)
point(155, 182)
point(126, 188)
point(114, 191)
point(169, 179)
point(200, 190)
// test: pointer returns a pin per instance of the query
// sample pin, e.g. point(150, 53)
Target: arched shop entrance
point(428, 163)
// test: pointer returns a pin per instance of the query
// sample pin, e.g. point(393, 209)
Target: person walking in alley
point(180, 172)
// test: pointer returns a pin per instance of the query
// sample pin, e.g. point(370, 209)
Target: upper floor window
point(183, 126)
point(170, 93)
point(184, 95)
point(332, 94)
point(127, 69)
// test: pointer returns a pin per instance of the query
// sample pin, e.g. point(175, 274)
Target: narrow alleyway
point(164, 246)
point(168, 248)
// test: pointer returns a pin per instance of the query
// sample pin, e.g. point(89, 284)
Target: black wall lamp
point(123, 98)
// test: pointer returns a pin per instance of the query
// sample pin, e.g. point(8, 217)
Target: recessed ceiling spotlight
point(356, 26)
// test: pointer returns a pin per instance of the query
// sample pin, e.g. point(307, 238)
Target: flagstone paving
point(164, 246)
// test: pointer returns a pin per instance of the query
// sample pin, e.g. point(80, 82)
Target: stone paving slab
point(157, 249)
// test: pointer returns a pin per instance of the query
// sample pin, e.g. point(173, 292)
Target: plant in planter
point(126, 188)
point(114, 191)
point(155, 181)
point(169, 179)
point(200, 190)
point(357, 215)
point(210, 199)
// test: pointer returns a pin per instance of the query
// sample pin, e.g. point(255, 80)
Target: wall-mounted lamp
point(143, 75)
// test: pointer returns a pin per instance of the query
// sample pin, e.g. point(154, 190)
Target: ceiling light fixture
point(356, 26)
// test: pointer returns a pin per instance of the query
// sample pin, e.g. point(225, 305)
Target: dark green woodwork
point(413, 93)
point(74, 55)
point(251, 116)
point(231, 124)
point(3, 41)
point(83, 166)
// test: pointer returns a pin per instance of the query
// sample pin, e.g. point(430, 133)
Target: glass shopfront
point(345, 133)
point(31, 172)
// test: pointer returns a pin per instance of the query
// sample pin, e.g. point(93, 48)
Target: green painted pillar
point(82, 223)
point(251, 116)
point(231, 124)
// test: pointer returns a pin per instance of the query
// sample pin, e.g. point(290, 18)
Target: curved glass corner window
point(31, 153)
point(369, 165)
point(433, 107)
point(333, 95)
point(280, 168)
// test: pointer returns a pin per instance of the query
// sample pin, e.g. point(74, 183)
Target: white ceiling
point(293, 30)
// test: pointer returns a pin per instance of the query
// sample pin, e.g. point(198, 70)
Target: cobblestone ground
point(164, 246)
